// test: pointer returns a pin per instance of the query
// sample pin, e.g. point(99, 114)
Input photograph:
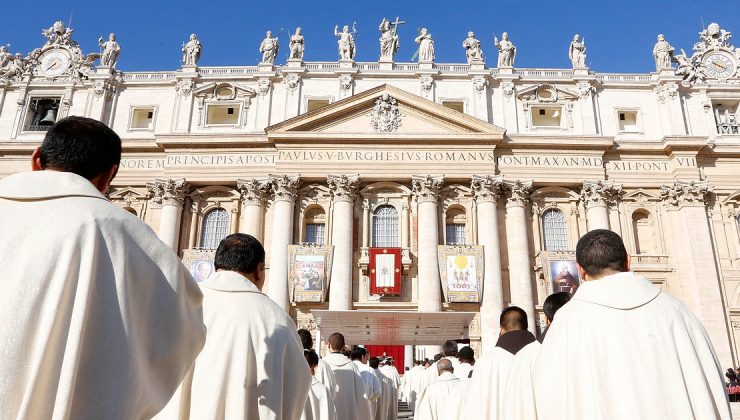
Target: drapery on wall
point(396, 352)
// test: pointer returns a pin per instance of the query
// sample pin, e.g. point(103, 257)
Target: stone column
point(487, 191)
point(596, 197)
point(253, 194)
point(343, 189)
point(169, 194)
point(285, 192)
point(517, 244)
point(696, 273)
point(408, 356)
point(426, 190)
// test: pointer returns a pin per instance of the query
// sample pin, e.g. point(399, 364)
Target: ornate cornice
point(518, 193)
point(253, 191)
point(168, 192)
point(600, 193)
point(285, 187)
point(681, 194)
point(343, 187)
point(426, 187)
point(486, 189)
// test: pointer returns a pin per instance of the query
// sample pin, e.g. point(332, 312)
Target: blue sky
point(619, 34)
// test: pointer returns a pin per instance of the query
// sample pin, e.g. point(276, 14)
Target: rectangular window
point(142, 119)
point(313, 104)
point(315, 233)
point(455, 234)
point(222, 114)
point(458, 106)
point(628, 121)
point(42, 114)
point(726, 116)
point(546, 116)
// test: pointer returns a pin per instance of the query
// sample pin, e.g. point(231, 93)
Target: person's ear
point(581, 272)
point(628, 263)
point(36, 159)
point(102, 181)
point(259, 275)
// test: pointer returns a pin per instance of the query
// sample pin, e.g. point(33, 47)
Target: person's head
point(298, 30)
point(345, 28)
point(359, 353)
point(417, 362)
point(466, 355)
point(83, 146)
point(374, 362)
point(601, 253)
point(554, 302)
point(471, 34)
point(243, 254)
point(389, 361)
point(193, 37)
point(269, 34)
point(204, 270)
point(336, 342)
point(407, 368)
point(449, 348)
point(513, 318)
point(444, 365)
point(575, 37)
point(306, 339)
point(312, 359)
point(505, 35)
point(424, 31)
point(437, 357)
point(661, 37)
point(112, 37)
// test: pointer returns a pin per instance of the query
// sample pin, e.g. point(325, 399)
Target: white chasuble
point(319, 404)
point(100, 319)
point(434, 403)
point(518, 402)
point(351, 401)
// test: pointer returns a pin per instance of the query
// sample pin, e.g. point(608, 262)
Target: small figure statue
point(389, 42)
point(191, 51)
point(296, 45)
point(712, 38)
point(269, 49)
point(14, 67)
point(663, 53)
point(506, 50)
point(57, 34)
point(473, 52)
point(426, 46)
point(5, 56)
point(346, 43)
point(111, 50)
point(689, 71)
point(577, 52)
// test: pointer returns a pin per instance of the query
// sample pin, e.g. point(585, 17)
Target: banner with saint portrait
point(309, 272)
point(461, 272)
point(200, 263)
point(385, 271)
point(561, 272)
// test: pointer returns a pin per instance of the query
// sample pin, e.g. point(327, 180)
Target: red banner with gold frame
point(385, 271)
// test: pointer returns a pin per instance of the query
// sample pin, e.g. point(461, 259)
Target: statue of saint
point(5, 56)
point(506, 50)
point(577, 52)
point(388, 39)
point(191, 51)
point(111, 50)
point(426, 46)
point(269, 48)
point(473, 51)
point(14, 67)
point(663, 53)
point(296, 45)
point(346, 43)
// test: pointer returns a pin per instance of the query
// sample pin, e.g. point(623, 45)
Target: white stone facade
point(654, 157)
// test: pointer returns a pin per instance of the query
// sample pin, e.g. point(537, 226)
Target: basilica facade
point(408, 203)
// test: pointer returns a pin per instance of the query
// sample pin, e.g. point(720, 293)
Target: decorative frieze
point(168, 192)
point(486, 188)
point(681, 194)
point(253, 191)
point(518, 193)
point(343, 187)
point(426, 188)
point(600, 193)
point(385, 116)
point(285, 187)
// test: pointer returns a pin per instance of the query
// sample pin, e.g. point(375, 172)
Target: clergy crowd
point(100, 320)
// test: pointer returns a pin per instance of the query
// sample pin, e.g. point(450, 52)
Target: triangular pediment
point(385, 112)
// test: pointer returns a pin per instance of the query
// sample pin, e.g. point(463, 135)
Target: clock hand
point(719, 65)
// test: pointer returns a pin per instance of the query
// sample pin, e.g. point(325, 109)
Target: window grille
point(555, 230)
point(215, 228)
point(315, 233)
point(385, 227)
point(455, 234)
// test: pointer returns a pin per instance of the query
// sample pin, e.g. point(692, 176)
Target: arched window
point(555, 230)
point(642, 229)
point(455, 227)
point(315, 221)
point(215, 228)
point(385, 227)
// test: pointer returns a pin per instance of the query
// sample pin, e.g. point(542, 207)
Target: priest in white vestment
point(519, 400)
point(651, 356)
point(390, 371)
point(319, 404)
point(484, 397)
point(412, 384)
point(388, 401)
point(351, 401)
point(466, 357)
point(100, 319)
point(434, 404)
point(323, 373)
point(252, 366)
point(373, 387)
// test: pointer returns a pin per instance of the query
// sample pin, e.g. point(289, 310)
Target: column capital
point(519, 192)
point(253, 191)
point(486, 188)
point(600, 193)
point(682, 194)
point(426, 187)
point(168, 192)
point(343, 187)
point(285, 187)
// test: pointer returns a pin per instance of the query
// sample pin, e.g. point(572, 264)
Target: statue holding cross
point(389, 38)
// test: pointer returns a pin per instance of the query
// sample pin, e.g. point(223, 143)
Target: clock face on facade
point(719, 66)
point(54, 63)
